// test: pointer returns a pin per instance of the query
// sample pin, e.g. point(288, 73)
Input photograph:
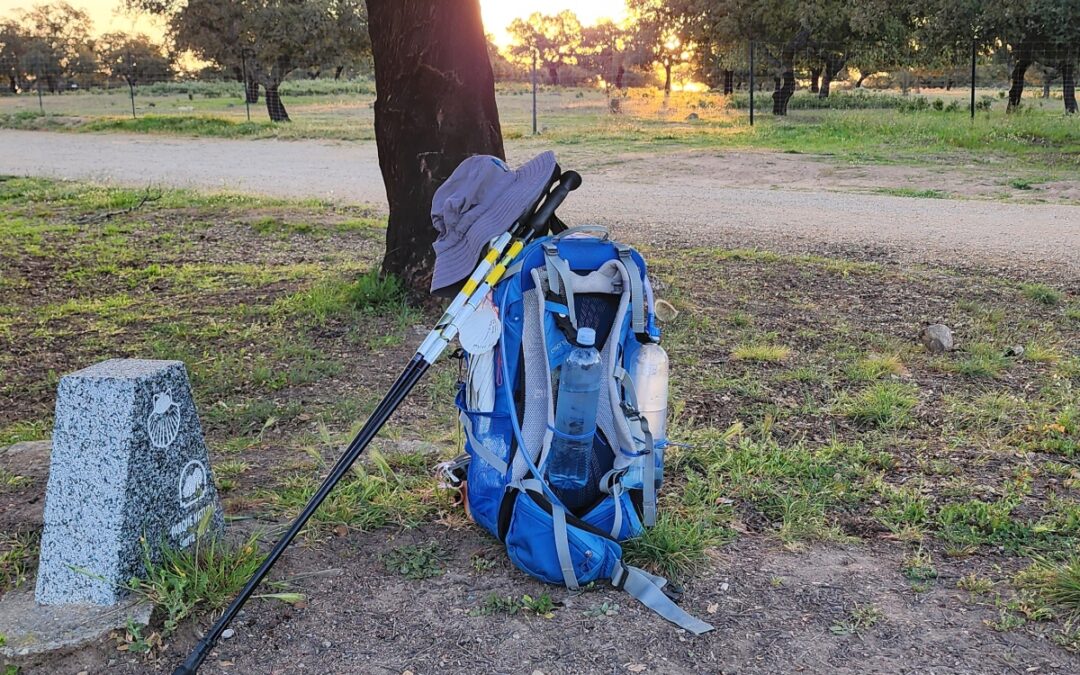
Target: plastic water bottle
point(575, 414)
point(649, 372)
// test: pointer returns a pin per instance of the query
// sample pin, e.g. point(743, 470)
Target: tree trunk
point(338, 71)
point(785, 84)
point(435, 106)
point(1068, 86)
point(815, 73)
point(274, 105)
point(858, 82)
point(667, 77)
point(948, 84)
point(833, 65)
point(251, 89)
point(1016, 91)
point(553, 75)
point(619, 75)
point(729, 82)
point(826, 84)
point(13, 84)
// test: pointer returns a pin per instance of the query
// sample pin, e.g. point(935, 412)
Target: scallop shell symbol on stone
point(163, 424)
point(192, 483)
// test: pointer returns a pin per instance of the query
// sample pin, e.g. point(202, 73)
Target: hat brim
point(455, 262)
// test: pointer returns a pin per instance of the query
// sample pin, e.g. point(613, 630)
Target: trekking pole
point(486, 275)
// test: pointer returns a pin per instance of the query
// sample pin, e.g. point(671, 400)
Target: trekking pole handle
point(568, 182)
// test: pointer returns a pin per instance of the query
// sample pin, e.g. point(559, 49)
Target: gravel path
point(694, 198)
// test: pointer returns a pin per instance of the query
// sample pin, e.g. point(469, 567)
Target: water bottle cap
point(586, 337)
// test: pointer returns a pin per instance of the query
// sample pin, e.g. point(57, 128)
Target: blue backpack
point(558, 285)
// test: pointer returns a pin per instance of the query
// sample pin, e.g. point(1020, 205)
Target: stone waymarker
point(128, 465)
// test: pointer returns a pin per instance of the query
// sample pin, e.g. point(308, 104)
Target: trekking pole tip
point(191, 665)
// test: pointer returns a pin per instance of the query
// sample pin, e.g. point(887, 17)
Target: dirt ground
point(844, 606)
point(775, 612)
point(784, 201)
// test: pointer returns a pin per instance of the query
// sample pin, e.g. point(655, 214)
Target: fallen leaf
point(712, 609)
point(636, 667)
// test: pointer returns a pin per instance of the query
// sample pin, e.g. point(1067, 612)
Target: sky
point(497, 13)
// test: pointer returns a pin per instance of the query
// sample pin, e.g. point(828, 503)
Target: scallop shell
point(194, 483)
point(163, 424)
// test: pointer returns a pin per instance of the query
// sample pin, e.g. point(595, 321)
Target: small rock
point(83, 672)
point(1015, 350)
point(227, 633)
point(724, 587)
point(326, 644)
point(691, 117)
point(937, 338)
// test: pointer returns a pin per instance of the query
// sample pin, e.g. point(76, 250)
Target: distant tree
point(501, 66)
point(554, 39)
point(13, 48)
point(136, 59)
point(435, 106)
point(271, 38)
point(1060, 47)
point(661, 34)
point(59, 43)
point(266, 40)
point(605, 50)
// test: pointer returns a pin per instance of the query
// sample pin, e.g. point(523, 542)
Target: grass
point(982, 360)
point(760, 352)
point(893, 129)
point(369, 294)
point(884, 405)
point(1041, 293)
point(201, 578)
point(969, 453)
point(675, 547)
point(1058, 583)
point(859, 619)
point(374, 495)
point(18, 558)
point(875, 367)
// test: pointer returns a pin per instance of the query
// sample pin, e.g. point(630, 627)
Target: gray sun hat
point(482, 199)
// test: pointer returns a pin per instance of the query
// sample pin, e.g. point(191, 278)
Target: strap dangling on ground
point(646, 589)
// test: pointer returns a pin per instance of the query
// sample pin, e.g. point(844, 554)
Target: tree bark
point(729, 82)
point(833, 65)
point(435, 106)
point(785, 83)
point(251, 89)
point(338, 71)
point(815, 74)
point(619, 75)
point(1016, 91)
point(274, 106)
point(667, 77)
point(1068, 86)
point(553, 74)
point(13, 84)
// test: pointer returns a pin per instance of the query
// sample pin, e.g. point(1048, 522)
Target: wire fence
point(754, 79)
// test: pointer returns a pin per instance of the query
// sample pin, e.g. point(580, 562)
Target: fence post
point(534, 91)
point(751, 83)
point(247, 97)
point(974, 47)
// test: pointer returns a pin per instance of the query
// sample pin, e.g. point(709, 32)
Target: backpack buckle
point(455, 471)
point(618, 580)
